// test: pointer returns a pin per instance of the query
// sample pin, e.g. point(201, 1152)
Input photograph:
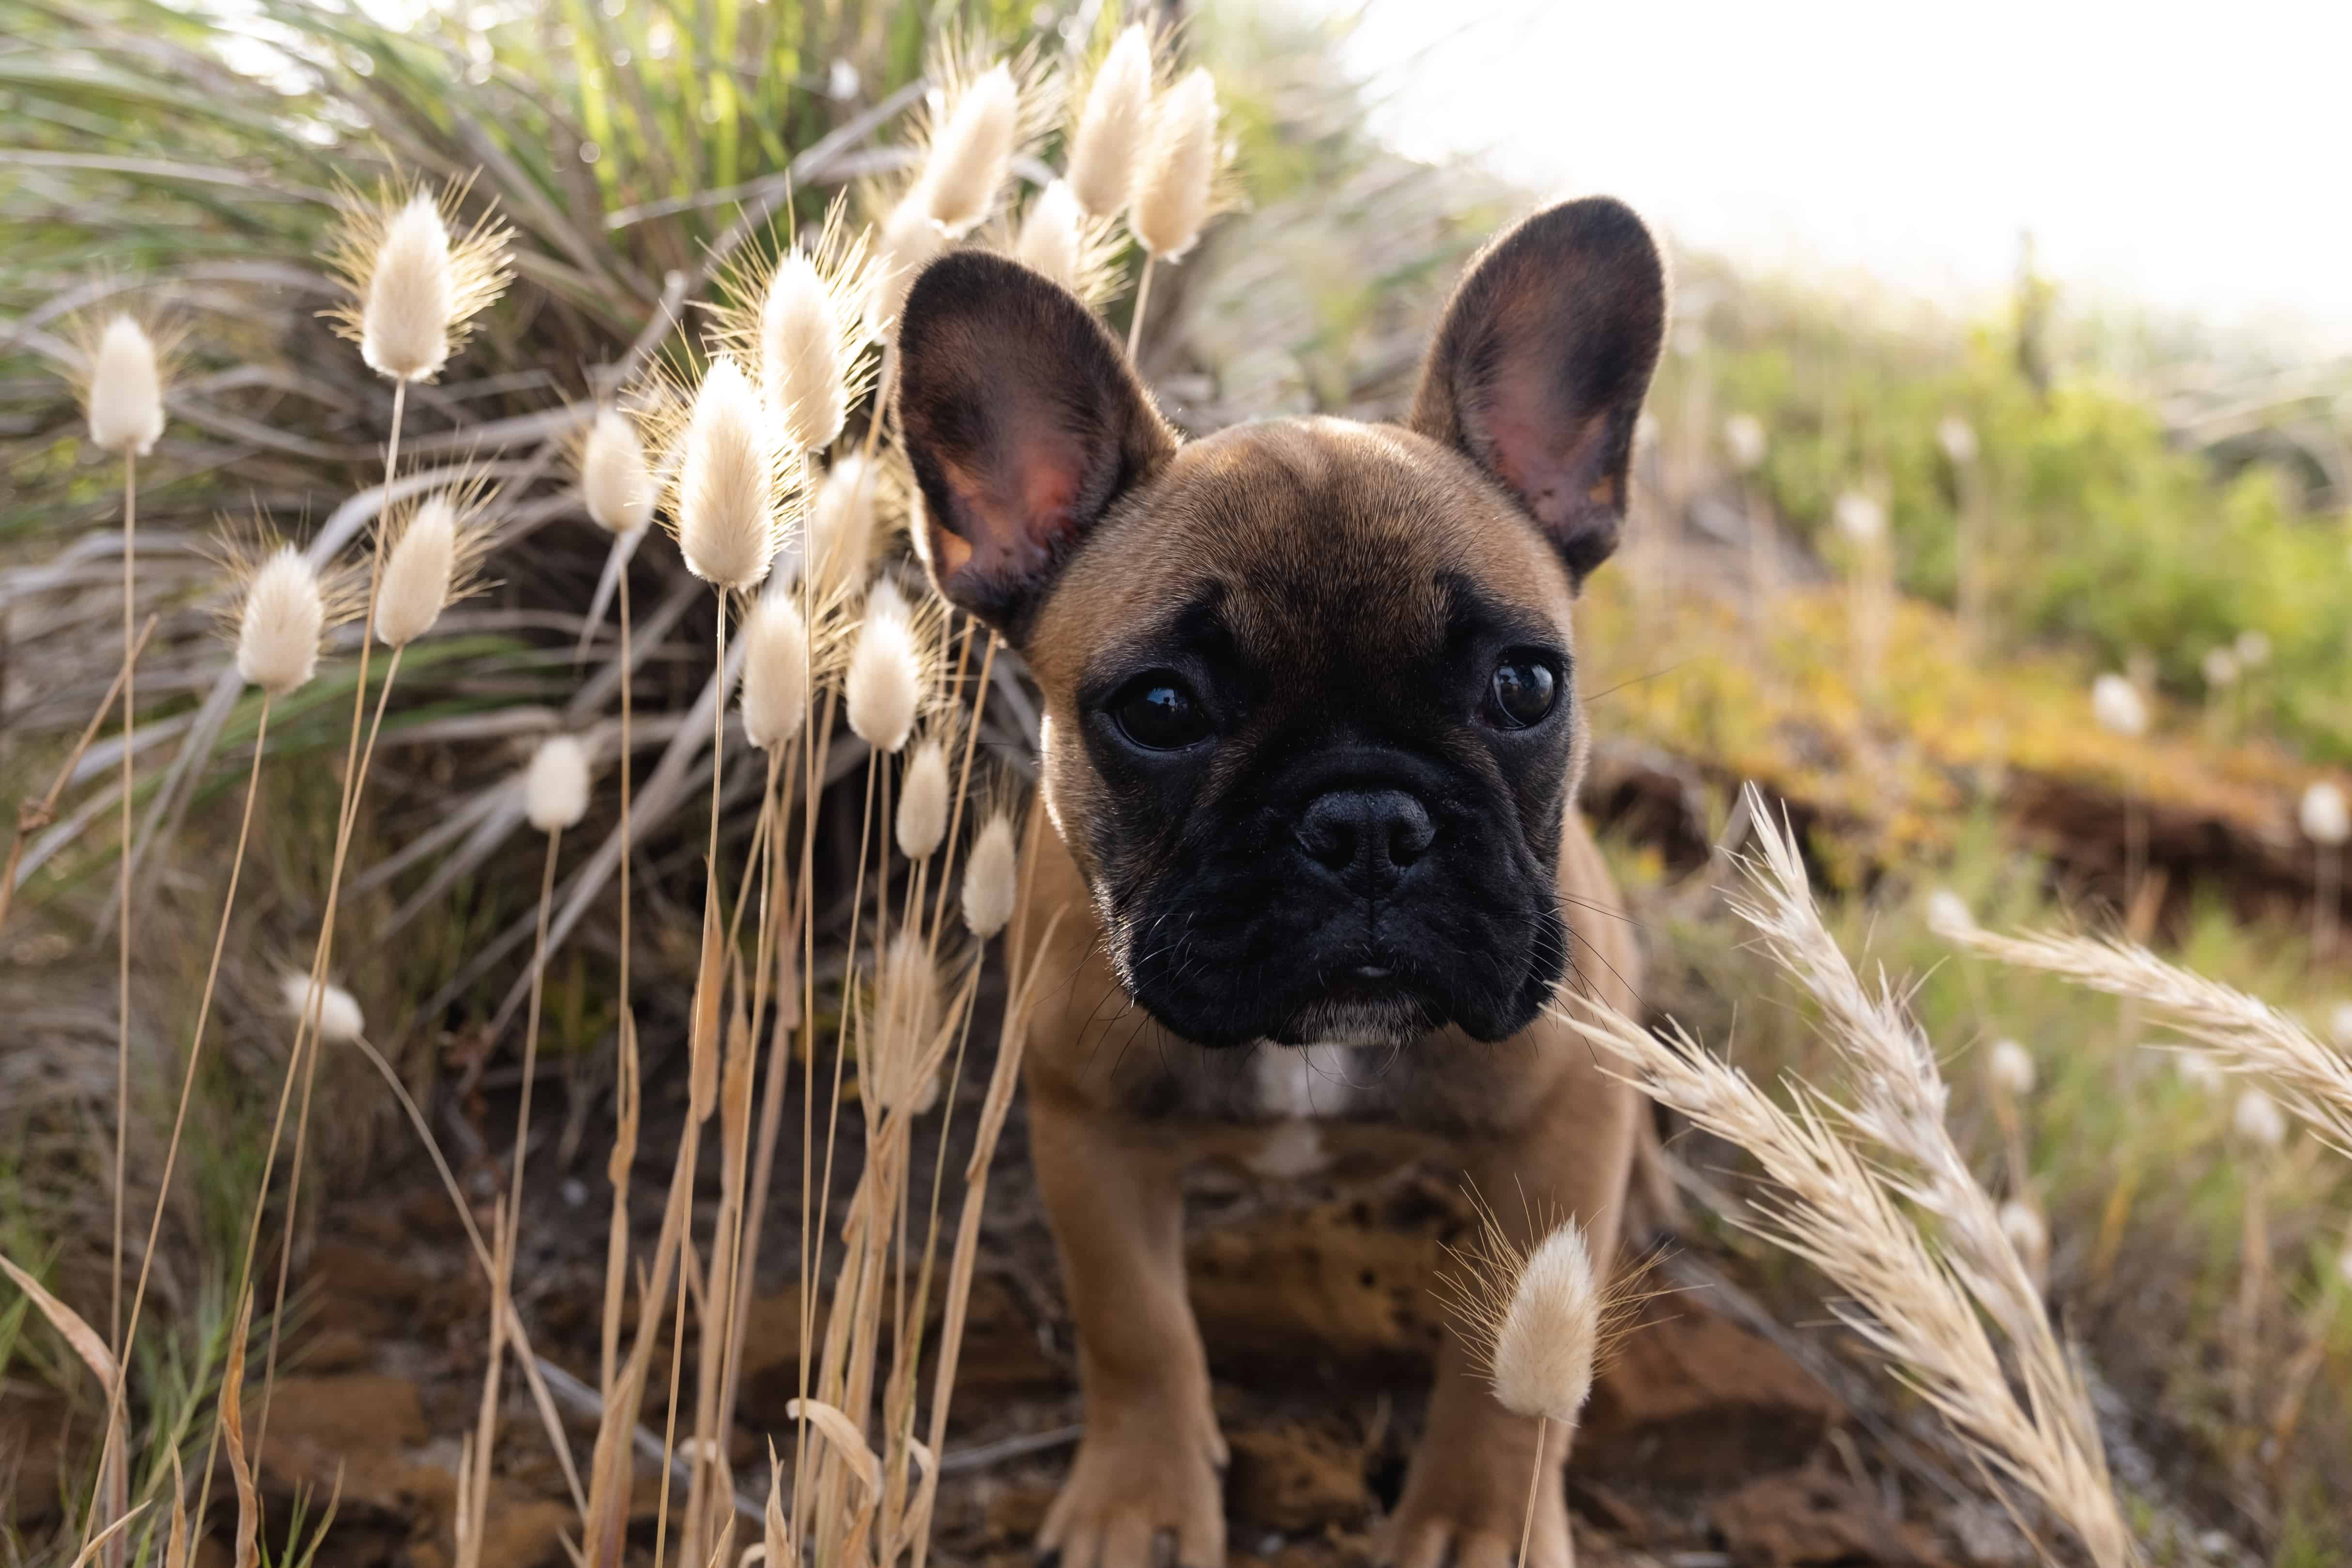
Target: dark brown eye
point(1160, 713)
point(1523, 691)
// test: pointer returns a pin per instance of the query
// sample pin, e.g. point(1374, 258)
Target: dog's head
point(1311, 722)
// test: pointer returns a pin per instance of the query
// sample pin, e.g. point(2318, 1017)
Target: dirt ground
point(1718, 1437)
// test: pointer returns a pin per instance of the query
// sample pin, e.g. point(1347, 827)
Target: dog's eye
point(1523, 691)
point(1158, 713)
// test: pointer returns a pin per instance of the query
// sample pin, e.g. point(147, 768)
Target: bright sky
point(2190, 157)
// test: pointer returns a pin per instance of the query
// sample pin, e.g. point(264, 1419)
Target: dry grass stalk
point(1907, 1302)
point(124, 398)
point(401, 296)
point(285, 612)
point(1900, 1104)
point(231, 1427)
point(2241, 1032)
point(32, 815)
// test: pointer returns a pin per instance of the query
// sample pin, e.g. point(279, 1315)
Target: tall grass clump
point(720, 365)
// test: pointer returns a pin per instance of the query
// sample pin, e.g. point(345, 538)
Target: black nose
point(1368, 836)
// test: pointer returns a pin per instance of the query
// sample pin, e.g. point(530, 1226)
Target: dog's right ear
point(1023, 423)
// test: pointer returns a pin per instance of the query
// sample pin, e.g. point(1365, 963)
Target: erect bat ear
point(1539, 370)
point(1023, 423)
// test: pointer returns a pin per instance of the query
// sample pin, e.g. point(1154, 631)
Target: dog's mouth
point(1368, 1004)
point(1369, 998)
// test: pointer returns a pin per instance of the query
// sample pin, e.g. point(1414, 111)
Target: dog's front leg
point(1150, 1460)
point(1466, 1494)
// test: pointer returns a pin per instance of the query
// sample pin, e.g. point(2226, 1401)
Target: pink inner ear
point(1023, 509)
point(1538, 449)
point(1049, 493)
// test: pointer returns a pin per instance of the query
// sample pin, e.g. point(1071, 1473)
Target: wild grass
point(415, 268)
point(2122, 1147)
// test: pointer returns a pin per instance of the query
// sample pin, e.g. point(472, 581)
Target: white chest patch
point(1293, 1149)
point(1307, 1081)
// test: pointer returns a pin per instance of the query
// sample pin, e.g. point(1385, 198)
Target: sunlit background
point(2172, 158)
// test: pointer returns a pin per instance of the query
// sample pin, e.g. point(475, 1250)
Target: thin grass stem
point(1142, 303)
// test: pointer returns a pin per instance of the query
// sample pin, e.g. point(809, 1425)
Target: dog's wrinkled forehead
point(1318, 546)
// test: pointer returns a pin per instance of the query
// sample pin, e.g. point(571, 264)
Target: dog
point(1310, 753)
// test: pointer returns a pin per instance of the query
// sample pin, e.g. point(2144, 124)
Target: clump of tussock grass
point(418, 282)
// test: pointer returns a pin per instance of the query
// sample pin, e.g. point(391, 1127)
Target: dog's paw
point(1142, 1493)
point(1459, 1511)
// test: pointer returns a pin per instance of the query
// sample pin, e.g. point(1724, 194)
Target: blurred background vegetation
point(2145, 498)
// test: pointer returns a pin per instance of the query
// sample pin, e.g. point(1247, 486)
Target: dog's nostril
point(1410, 833)
point(1365, 834)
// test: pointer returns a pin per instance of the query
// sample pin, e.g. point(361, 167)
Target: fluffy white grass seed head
point(1948, 915)
point(801, 369)
point(1112, 126)
point(1176, 179)
point(616, 485)
point(2258, 1119)
point(905, 1019)
point(991, 878)
point(1544, 1343)
point(280, 622)
point(884, 685)
point(419, 573)
point(2012, 1069)
point(1860, 518)
point(775, 671)
point(2198, 1070)
point(727, 513)
point(1053, 241)
point(2323, 816)
point(1743, 433)
point(414, 285)
point(841, 529)
point(2219, 667)
point(907, 243)
point(923, 801)
point(974, 151)
point(2119, 707)
point(340, 1018)
point(126, 389)
point(404, 325)
point(1958, 439)
point(555, 790)
point(2253, 649)
point(2339, 1026)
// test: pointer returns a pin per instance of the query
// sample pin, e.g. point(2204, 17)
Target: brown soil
point(1716, 1437)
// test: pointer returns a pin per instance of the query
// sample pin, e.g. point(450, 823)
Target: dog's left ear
point(1539, 370)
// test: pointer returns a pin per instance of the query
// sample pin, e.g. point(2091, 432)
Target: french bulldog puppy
point(1311, 750)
